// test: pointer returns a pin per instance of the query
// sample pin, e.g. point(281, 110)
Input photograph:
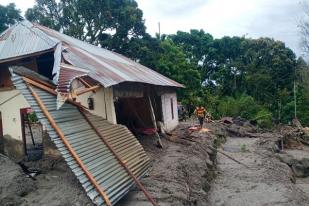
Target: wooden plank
point(88, 90)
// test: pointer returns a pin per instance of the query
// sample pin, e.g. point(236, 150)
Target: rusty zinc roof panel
point(107, 67)
point(97, 158)
point(110, 72)
point(23, 39)
point(66, 76)
point(104, 66)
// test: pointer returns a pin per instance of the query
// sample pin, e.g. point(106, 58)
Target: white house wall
point(169, 122)
point(101, 97)
point(10, 104)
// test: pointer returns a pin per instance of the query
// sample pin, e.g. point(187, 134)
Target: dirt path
point(266, 183)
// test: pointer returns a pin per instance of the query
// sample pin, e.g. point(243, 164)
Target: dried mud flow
point(181, 174)
point(267, 181)
point(184, 172)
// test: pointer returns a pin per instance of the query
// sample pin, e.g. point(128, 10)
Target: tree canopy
point(108, 23)
point(9, 15)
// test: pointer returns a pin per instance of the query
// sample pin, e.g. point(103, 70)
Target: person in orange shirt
point(200, 112)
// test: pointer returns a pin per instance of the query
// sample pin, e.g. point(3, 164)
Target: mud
point(182, 171)
point(54, 187)
point(267, 181)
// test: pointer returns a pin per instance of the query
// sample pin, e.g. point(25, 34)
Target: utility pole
point(295, 109)
point(159, 30)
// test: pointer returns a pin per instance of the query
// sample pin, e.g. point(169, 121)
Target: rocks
point(288, 159)
point(299, 166)
point(227, 120)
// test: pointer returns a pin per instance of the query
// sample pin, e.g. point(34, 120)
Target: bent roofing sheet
point(95, 155)
point(66, 76)
point(109, 68)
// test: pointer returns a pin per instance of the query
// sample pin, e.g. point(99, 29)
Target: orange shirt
point(200, 111)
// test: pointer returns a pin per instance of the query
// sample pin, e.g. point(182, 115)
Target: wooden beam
point(154, 122)
point(88, 90)
point(40, 85)
point(50, 90)
point(84, 82)
point(68, 146)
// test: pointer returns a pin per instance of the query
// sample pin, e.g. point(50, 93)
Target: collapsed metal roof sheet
point(107, 67)
point(94, 154)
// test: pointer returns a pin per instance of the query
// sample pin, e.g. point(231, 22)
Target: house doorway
point(32, 134)
point(135, 113)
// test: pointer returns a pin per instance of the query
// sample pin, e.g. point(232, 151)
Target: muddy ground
point(54, 187)
point(181, 174)
point(184, 172)
point(267, 181)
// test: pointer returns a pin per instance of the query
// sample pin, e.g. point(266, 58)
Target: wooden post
point(153, 118)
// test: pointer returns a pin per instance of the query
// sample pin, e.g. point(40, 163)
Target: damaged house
point(85, 98)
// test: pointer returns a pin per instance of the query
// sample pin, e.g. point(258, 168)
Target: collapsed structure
point(80, 93)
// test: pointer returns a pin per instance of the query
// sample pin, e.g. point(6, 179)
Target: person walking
point(200, 112)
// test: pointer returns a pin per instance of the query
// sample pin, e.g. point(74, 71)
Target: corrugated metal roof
point(23, 39)
point(86, 143)
point(108, 68)
point(67, 75)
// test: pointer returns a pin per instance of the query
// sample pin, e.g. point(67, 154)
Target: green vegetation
point(32, 118)
point(8, 16)
point(231, 76)
point(243, 148)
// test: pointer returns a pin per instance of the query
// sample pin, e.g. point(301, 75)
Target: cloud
point(254, 18)
point(174, 8)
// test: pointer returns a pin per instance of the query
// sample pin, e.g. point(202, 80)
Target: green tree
point(171, 61)
point(110, 24)
point(9, 15)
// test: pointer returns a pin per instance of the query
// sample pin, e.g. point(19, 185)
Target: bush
point(264, 119)
point(243, 106)
point(32, 117)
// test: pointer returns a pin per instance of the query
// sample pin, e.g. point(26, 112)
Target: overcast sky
point(254, 18)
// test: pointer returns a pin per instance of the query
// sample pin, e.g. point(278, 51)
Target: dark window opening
point(5, 77)
point(172, 108)
point(90, 103)
point(45, 63)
